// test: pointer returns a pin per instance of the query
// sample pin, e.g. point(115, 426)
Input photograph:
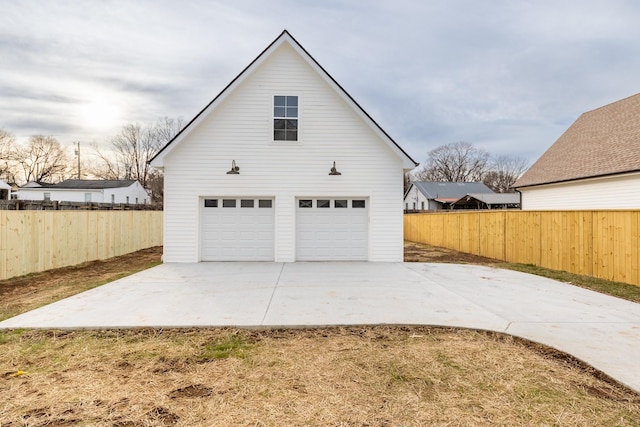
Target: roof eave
point(584, 178)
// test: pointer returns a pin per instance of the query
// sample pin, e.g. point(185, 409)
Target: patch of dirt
point(418, 252)
point(612, 393)
point(191, 392)
point(162, 416)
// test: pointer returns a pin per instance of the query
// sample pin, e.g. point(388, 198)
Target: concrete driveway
point(602, 331)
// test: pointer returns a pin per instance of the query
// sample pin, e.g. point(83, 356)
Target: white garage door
point(237, 229)
point(332, 229)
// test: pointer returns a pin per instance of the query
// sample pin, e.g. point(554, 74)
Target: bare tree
point(166, 128)
point(132, 148)
point(505, 170)
point(407, 182)
point(7, 156)
point(455, 162)
point(155, 184)
point(42, 159)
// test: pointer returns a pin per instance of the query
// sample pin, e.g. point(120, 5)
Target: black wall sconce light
point(235, 170)
point(334, 171)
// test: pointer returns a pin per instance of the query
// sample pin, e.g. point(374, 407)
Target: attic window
point(285, 118)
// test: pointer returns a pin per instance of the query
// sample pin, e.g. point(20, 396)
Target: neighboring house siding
point(78, 195)
point(240, 129)
point(60, 195)
point(414, 196)
point(135, 190)
point(614, 192)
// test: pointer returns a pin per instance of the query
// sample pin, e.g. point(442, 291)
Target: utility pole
point(78, 155)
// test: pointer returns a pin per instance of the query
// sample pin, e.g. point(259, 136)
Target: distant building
point(436, 196)
point(87, 190)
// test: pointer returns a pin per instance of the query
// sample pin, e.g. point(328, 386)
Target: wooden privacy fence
point(32, 241)
point(602, 244)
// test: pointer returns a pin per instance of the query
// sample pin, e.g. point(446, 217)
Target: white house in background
point(87, 190)
point(595, 164)
point(5, 191)
point(435, 196)
point(283, 165)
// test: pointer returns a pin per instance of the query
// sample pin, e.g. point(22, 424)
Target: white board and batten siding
point(612, 192)
point(240, 129)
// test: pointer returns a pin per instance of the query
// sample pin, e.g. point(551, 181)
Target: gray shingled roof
point(604, 141)
point(450, 190)
point(94, 184)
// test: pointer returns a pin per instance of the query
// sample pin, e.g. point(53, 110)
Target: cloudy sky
point(508, 76)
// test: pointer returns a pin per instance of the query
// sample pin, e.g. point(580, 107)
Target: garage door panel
point(237, 233)
point(324, 234)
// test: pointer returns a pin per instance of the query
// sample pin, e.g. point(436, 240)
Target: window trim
point(273, 119)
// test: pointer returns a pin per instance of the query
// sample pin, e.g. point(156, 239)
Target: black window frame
point(286, 118)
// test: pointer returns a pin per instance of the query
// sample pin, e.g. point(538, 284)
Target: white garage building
point(283, 165)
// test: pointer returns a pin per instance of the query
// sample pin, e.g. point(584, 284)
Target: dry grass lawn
point(356, 376)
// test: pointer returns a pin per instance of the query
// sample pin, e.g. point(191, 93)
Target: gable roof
point(601, 142)
point(86, 184)
point(284, 37)
point(449, 190)
point(4, 185)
